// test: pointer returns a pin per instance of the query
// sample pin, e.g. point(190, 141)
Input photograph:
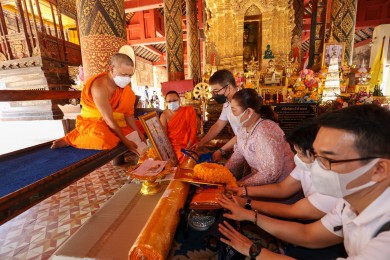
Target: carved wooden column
point(174, 39)
point(193, 48)
point(102, 32)
point(343, 20)
point(296, 39)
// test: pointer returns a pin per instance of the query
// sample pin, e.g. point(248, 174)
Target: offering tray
point(150, 185)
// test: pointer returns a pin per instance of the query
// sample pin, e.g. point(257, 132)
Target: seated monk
point(107, 113)
point(180, 123)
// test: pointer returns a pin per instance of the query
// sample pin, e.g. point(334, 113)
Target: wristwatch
point(254, 250)
point(222, 151)
point(248, 204)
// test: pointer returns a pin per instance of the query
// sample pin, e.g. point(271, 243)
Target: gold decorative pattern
point(68, 7)
point(225, 28)
point(253, 10)
point(174, 39)
point(343, 17)
point(101, 17)
point(97, 51)
point(193, 48)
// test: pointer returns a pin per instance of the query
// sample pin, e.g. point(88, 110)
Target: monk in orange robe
point(107, 113)
point(180, 123)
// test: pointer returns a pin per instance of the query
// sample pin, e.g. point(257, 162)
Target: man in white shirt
point(352, 163)
point(223, 87)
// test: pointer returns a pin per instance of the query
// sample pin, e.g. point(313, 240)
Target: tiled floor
point(39, 231)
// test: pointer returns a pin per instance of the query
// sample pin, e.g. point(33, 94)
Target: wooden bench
point(17, 201)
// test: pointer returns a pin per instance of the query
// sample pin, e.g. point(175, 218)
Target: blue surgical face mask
point(173, 105)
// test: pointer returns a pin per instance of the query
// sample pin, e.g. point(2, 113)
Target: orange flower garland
point(214, 173)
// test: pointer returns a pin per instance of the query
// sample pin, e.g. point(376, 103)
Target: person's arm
point(313, 235)
point(130, 120)
point(101, 99)
point(213, 132)
point(193, 126)
point(217, 155)
point(242, 244)
point(235, 161)
point(164, 122)
point(302, 209)
point(281, 190)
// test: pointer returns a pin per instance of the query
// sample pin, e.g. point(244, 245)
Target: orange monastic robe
point(91, 130)
point(182, 128)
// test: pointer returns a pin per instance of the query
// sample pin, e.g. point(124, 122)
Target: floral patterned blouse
point(266, 152)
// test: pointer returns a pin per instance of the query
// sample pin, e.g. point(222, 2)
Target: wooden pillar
point(296, 40)
point(43, 28)
point(102, 32)
point(30, 32)
point(24, 26)
point(3, 33)
point(193, 48)
point(174, 39)
point(343, 20)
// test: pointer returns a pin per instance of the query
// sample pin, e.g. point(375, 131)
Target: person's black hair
point(223, 78)
point(369, 123)
point(303, 135)
point(249, 98)
point(266, 112)
point(172, 92)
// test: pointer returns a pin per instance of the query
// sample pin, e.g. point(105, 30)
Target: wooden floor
point(38, 232)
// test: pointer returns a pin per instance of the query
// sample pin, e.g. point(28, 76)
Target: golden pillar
point(343, 19)
point(102, 32)
point(174, 39)
point(193, 48)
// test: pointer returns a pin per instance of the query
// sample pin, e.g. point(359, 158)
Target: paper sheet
point(150, 168)
point(142, 148)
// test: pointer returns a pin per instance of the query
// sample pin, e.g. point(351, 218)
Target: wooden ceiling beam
point(364, 42)
point(152, 49)
point(151, 41)
point(132, 6)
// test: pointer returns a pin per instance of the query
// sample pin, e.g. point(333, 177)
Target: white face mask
point(173, 105)
point(334, 184)
point(122, 81)
point(301, 164)
point(238, 119)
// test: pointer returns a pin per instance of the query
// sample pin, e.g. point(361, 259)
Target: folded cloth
point(206, 197)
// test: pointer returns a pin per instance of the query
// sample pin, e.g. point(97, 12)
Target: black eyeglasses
point(215, 92)
point(326, 163)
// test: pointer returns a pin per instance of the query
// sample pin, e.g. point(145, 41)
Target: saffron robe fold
point(91, 131)
point(182, 128)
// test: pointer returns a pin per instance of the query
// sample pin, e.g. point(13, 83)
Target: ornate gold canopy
point(225, 28)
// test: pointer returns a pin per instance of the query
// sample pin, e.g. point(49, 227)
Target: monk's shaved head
point(121, 59)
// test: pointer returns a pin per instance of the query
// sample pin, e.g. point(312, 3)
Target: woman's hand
point(217, 155)
point(234, 238)
point(236, 211)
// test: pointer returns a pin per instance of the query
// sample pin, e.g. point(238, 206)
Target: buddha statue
point(268, 53)
point(272, 75)
point(206, 76)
